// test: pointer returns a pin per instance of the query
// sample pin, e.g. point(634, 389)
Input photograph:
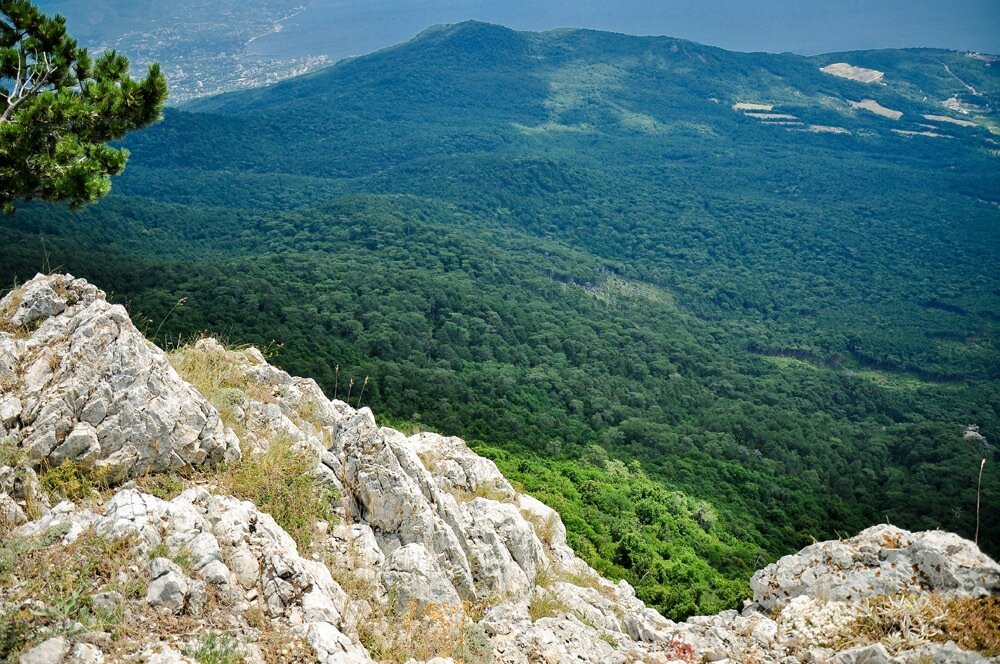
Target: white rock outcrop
point(882, 560)
point(80, 383)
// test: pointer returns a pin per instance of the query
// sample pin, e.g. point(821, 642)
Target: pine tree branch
point(27, 88)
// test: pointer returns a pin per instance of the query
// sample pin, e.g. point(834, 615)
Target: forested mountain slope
point(773, 287)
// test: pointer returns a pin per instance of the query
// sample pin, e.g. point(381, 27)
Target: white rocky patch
point(873, 106)
point(848, 71)
point(85, 386)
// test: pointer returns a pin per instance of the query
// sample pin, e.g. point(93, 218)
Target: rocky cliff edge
point(134, 526)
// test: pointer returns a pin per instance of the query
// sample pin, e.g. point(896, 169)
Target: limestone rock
point(417, 578)
point(88, 388)
point(85, 653)
point(881, 560)
point(873, 654)
point(169, 587)
point(161, 653)
point(11, 513)
point(421, 520)
point(503, 546)
point(52, 651)
point(940, 652)
point(10, 410)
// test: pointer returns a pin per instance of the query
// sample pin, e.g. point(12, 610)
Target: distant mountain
point(648, 277)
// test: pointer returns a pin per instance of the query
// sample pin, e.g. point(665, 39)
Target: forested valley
point(705, 337)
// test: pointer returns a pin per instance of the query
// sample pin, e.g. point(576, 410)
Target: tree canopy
point(59, 107)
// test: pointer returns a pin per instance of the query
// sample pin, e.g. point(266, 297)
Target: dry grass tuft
point(47, 586)
point(974, 624)
point(7, 311)
point(220, 377)
point(545, 527)
point(16, 296)
point(901, 622)
point(281, 481)
point(425, 632)
point(545, 604)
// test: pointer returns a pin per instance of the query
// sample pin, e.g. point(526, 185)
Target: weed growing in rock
point(281, 479)
point(49, 586)
point(423, 632)
point(215, 648)
point(545, 605)
point(73, 481)
point(165, 486)
point(218, 374)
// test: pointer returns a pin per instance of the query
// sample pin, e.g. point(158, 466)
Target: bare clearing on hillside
point(771, 116)
point(930, 134)
point(878, 109)
point(945, 118)
point(827, 129)
point(747, 106)
point(860, 74)
point(953, 103)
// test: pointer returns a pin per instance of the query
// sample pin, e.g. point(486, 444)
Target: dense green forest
point(704, 336)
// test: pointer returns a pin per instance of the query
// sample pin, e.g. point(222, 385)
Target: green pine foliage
point(59, 108)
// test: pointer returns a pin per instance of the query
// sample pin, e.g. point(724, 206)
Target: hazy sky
point(352, 27)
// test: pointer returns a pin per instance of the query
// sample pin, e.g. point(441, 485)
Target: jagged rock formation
point(86, 386)
point(426, 539)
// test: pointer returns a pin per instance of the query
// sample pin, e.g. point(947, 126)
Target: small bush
point(73, 481)
point(165, 486)
point(973, 623)
point(11, 453)
point(15, 634)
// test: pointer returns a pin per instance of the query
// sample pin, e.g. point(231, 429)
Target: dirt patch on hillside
point(860, 74)
point(878, 109)
point(945, 118)
point(930, 134)
point(747, 106)
point(827, 129)
point(771, 116)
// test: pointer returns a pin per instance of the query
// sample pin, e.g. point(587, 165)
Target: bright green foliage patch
point(670, 547)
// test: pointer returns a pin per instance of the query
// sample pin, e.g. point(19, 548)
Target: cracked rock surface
point(85, 386)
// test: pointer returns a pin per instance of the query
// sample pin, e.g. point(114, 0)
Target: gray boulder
point(882, 560)
point(52, 651)
point(85, 386)
point(169, 587)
